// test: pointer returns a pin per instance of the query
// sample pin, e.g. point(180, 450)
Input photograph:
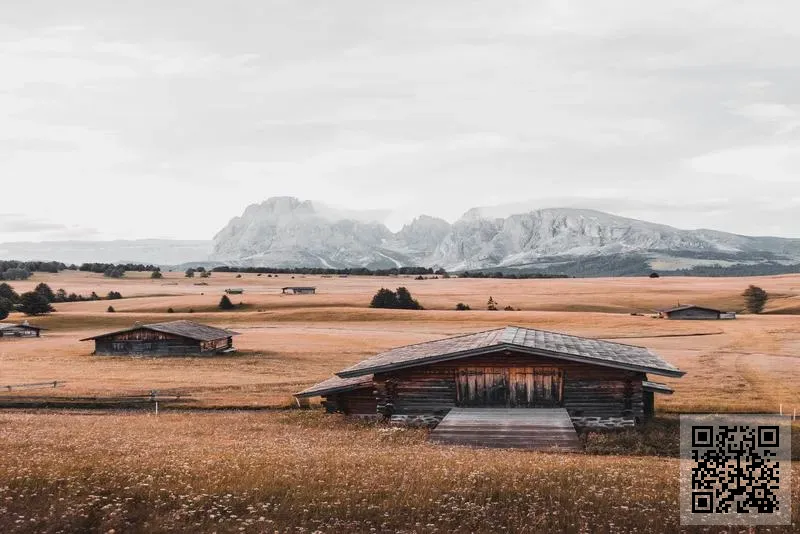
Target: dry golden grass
point(274, 470)
point(304, 471)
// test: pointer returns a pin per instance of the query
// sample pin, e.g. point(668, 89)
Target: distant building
point(234, 291)
point(299, 290)
point(165, 339)
point(19, 330)
point(690, 311)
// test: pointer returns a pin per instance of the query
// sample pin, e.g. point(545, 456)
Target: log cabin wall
point(593, 395)
point(146, 343)
point(693, 313)
point(359, 402)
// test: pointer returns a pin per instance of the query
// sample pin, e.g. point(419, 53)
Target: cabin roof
point(552, 344)
point(656, 387)
point(9, 326)
point(299, 287)
point(336, 384)
point(187, 329)
point(688, 307)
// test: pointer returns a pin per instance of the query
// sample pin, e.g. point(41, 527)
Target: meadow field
point(235, 454)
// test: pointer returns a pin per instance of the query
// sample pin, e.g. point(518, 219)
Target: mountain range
point(284, 231)
point(288, 232)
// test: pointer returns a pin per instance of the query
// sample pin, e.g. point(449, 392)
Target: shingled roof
point(688, 307)
point(336, 384)
point(186, 329)
point(551, 344)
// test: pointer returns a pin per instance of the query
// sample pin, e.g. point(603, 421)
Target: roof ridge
point(581, 337)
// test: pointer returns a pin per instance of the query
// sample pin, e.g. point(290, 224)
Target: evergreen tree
point(405, 301)
point(61, 295)
point(190, 272)
point(6, 307)
point(384, 298)
point(462, 307)
point(225, 303)
point(111, 309)
point(7, 292)
point(491, 305)
point(156, 275)
point(32, 303)
point(755, 299)
point(45, 291)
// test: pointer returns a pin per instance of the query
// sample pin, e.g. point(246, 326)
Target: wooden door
point(482, 387)
point(516, 387)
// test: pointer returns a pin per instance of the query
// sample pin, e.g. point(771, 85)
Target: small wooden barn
point(299, 290)
point(8, 330)
point(690, 311)
point(597, 383)
point(165, 339)
point(234, 291)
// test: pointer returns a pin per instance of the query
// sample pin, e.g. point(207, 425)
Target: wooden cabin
point(165, 339)
point(299, 290)
point(599, 383)
point(9, 330)
point(692, 312)
point(234, 291)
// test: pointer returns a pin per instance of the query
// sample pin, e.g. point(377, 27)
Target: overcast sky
point(165, 119)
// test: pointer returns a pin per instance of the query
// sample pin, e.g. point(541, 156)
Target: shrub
point(114, 295)
point(491, 305)
point(114, 272)
point(755, 299)
point(170, 310)
point(110, 309)
point(33, 303)
point(205, 274)
point(655, 275)
point(462, 307)
point(225, 303)
point(189, 273)
point(191, 310)
point(156, 275)
point(509, 308)
point(239, 276)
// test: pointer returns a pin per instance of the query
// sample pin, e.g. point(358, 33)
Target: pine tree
point(7, 292)
point(33, 303)
point(491, 305)
point(384, 298)
point(405, 301)
point(225, 303)
point(755, 299)
point(6, 307)
point(111, 309)
point(45, 291)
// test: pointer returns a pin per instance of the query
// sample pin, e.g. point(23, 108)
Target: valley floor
point(194, 467)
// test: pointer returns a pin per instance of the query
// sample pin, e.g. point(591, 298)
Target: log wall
point(589, 391)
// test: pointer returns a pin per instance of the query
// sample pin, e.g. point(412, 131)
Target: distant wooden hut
point(593, 383)
point(298, 290)
point(165, 339)
point(9, 330)
point(690, 311)
point(234, 291)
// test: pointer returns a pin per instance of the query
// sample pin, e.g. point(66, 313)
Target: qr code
point(735, 470)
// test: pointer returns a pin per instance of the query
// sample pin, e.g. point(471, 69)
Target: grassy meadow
point(235, 456)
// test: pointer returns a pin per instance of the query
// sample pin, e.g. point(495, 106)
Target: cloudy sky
point(165, 119)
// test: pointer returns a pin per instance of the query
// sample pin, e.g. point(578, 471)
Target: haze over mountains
point(287, 232)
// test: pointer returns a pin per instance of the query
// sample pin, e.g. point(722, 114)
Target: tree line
point(40, 300)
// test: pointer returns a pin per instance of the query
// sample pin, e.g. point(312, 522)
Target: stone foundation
point(598, 423)
point(429, 421)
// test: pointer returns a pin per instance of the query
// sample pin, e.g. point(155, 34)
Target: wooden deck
point(516, 428)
